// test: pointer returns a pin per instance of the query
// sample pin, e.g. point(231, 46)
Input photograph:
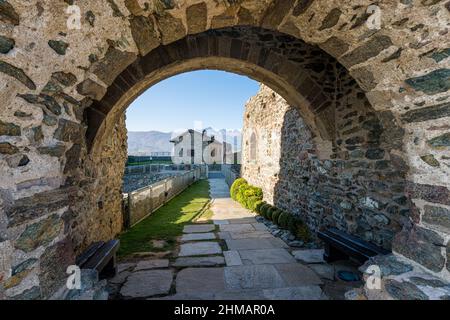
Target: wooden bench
point(100, 256)
point(340, 245)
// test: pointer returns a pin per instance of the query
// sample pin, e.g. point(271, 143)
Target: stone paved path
point(234, 258)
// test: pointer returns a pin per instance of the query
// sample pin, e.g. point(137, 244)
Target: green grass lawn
point(167, 222)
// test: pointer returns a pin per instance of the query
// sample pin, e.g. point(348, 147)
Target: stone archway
point(60, 85)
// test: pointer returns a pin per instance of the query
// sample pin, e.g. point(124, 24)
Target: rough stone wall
point(358, 188)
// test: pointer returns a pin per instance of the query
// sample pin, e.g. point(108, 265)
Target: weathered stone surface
point(196, 18)
point(144, 284)
point(54, 151)
point(324, 271)
point(441, 141)
point(199, 249)
point(38, 205)
point(112, 64)
point(211, 261)
point(365, 78)
point(68, 131)
point(253, 277)
point(266, 256)
point(335, 46)
point(232, 258)
point(389, 265)
point(368, 50)
point(255, 244)
point(404, 290)
point(9, 129)
point(8, 14)
point(301, 7)
point(275, 14)
point(6, 44)
point(296, 274)
point(430, 160)
point(309, 256)
point(151, 264)
point(198, 280)
point(437, 216)
point(53, 266)
point(201, 228)
point(144, 34)
point(40, 233)
point(91, 89)
point(198, 236)
point(172, 28)
point(422, 246)
point(331, 19)
point(33, 293)
point(44, 100)
point(434, 82)
point(435, 194)
point(8, 148)
point(308, 292)
point(17, 73)
point(60, 47)
point(429, 113)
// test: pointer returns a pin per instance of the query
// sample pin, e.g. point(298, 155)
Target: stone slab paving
point(256, 266)
point(145, 284)
point(296, 274)
point(195, 280)
point(199, 249)
point(266, 256)
point(209, 261)
point(151, 264)
point(255, 244)
point(198, 236)
point(199, 228)
point(253, 277)
point(309, 256)
point(295, 293)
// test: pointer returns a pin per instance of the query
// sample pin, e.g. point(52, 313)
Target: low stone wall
point(141, 203)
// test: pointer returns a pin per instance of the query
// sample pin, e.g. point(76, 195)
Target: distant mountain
point(143, 143)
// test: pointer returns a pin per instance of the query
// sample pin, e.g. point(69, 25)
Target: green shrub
point(258, 206)
point(283, 219)
point(291, 224)
point(270, 212)
point(240, 194)
point(251, 195)
point(275, 215)
point(300, 230)
point(235, 187)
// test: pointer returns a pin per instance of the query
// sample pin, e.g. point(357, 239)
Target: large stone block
point(421, 245)
point(40, 233)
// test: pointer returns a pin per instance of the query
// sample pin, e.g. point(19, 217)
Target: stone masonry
point(374, 99)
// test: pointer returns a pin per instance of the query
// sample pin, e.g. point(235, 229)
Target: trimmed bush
point(247, 195)
point(275, 215)
point(301, 230)
point(258, 206)
point(235, 187)
point(264, 209)
point(270, 212)
point(283, 219)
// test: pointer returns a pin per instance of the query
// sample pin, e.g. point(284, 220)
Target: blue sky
point(216, 98)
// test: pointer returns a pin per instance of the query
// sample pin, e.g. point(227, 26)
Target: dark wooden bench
point(340, 245)
point(100, 256)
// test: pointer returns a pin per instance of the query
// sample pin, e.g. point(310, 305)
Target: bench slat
point(349, 245)
point(90, 251)
point(103, 255)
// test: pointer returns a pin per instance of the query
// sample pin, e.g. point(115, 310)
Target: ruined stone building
point(358, 133)
point(194, 147)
